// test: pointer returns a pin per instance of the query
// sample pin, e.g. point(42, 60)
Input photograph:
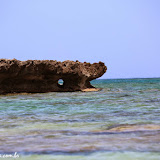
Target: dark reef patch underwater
point(120, 122)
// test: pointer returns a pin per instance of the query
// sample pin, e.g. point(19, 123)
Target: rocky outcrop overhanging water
point(39, 76)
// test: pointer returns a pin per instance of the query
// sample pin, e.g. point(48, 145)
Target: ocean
point(120, 122)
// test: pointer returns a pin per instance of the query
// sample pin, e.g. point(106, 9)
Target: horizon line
point(130, 78)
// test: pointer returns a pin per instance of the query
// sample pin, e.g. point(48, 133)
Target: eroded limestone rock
point(38, 76)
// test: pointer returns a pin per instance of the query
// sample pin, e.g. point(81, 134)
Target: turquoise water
point(120, 122)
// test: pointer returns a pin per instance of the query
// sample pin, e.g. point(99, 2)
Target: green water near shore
point(77, 125)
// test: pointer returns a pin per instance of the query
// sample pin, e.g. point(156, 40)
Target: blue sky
point(125, 34)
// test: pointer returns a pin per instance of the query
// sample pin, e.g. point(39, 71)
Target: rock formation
point(38, 76)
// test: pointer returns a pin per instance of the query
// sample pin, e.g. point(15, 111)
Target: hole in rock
point(61, 82)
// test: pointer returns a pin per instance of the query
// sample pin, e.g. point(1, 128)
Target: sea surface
point(120, 122)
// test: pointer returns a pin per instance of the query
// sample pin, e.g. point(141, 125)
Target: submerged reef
point(39, 76)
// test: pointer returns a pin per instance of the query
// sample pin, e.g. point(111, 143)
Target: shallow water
point(120, 122)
